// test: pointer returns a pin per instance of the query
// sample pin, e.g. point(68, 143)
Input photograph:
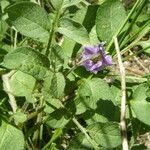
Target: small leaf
point(28, 61)
point(10, 137)
point(30, 20)
point(105, 134)
point(22, 84)
point(110, 16)
point(74, 31)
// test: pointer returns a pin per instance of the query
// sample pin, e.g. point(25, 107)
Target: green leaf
point(140, 105)
point(93, 36)
point(64, 3)
point(94, 90)
point(68, 3)
point(57, 57)
point(30, 20)
point(79, 142)
point(110, 16)
point(74, 31)
point(105, 134)
point(96, 101)
point(28, 61)
point(58, 119)
point(20, 117)
point(10, 137)
point(22, 84)
point(145, 45)
point(3, 28)
point(54, 85)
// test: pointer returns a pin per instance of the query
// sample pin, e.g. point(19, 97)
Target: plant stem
point(52, 32)
point(123, 99)
point(133, 21)
point(124, 23)
point(135, 42)
point(15, 39)
point(12, 100)
point(135, 54)
point(146, 25)
point(39, 120)
point(84, 131)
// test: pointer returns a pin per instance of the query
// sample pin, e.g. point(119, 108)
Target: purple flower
point(94, 58)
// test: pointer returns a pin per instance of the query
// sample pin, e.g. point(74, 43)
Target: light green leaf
point(22, 84)
point(20, 117)
point(110, 16)
point(74, 31)
point(140, 105)
point(30, 20)
point(10, 137)
point(28, 61)
point(106, 134)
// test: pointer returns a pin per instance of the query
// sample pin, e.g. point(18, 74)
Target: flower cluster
point(94, 58)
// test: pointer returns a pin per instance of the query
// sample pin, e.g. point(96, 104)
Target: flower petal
point(96, 67)
point(90, 50)
point(108, 60)
point(88, 64)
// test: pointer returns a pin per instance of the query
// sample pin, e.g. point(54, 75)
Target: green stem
point(135, 54)
point(136, 34)
point(84, 131)
point(124, 23)
point(39, 120)
point(135, 42)
point(56, 134)
point(52, 33)
point(133, 21)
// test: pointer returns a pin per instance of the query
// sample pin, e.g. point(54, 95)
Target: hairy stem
point(7, 88)
point(123, 98)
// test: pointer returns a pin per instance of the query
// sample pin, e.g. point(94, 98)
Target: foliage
point(48, 100)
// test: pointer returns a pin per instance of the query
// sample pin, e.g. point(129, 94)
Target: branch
point(123, 99)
